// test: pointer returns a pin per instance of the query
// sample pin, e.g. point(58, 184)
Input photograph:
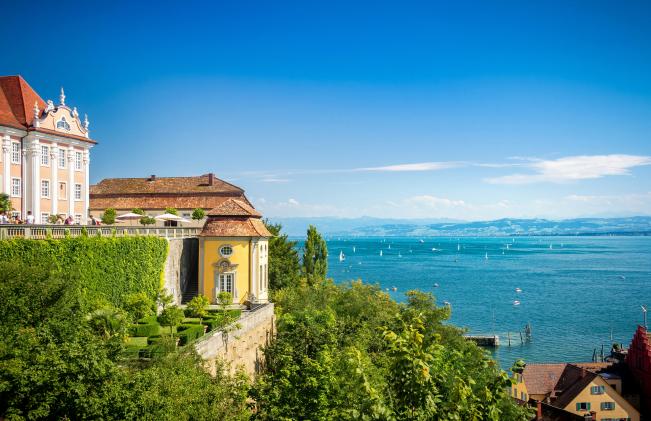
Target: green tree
point(172, 211)
point(164, 299)
point(198, 214)
point(315, 256)
point(108, 217)
point(198, 307)
point(53, 365)
point(5, 203)
point(224, 299)
point(138, 305)
point(284, 264)
point(147, 220)
point(52, 219)
point(171, 316)
point(138, 211)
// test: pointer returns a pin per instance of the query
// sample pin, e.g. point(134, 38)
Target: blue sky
point(476, 110)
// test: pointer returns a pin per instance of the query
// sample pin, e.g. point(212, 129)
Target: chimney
point(539, 416)
point(152, 177)
point(211, 177)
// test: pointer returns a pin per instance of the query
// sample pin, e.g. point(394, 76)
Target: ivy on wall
point(110, 268)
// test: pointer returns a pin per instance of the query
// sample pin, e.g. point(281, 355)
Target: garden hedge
point(109, 267)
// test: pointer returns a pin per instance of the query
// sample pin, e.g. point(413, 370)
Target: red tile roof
point(17, 100)
point(234, 227)
point(234, 207)
point(204, 191)
point(206, 183)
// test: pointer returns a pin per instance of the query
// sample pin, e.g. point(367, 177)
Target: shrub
point(189, 333)
point(138, 305)
point(171, 316)
point(108, 217)
point(147, 220)
point(198, 214)
point(198, 306)
point(148, 330)
point(173, 211)
point(138, 211)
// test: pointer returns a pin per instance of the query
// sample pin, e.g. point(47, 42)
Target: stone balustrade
point(40, 232)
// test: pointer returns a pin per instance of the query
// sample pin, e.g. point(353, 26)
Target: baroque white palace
point(44, 165)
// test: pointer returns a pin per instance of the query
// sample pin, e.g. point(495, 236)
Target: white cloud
point(293, 202)
point(275, 180)
point(420, 166)
point(434, 202)
point(573, 168)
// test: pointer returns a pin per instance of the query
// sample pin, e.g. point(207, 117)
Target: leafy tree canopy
point(315, 256)
point(284, 265)
point(198, 214)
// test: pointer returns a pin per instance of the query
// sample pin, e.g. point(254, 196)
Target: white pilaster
point(6, 164)
point(32, 189)
point(71, 181)
point(54, 169)
point(84, 216)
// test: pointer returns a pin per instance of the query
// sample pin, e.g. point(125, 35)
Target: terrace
point(41, 232)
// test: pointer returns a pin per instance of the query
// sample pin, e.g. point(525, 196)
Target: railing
point(40, 232)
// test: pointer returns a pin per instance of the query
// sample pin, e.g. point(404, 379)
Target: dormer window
point(63, 124)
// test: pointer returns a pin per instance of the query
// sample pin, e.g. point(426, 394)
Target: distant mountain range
point(378, 227)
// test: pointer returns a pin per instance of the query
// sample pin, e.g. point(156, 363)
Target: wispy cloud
point(275, 180)
point(573, 168)
point(419, 166)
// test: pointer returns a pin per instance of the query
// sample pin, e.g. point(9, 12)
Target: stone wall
point(181, 266)
point(241, 346)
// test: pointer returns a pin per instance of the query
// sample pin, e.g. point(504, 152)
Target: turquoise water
point(575, 295)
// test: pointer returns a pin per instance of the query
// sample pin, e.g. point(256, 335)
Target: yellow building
point(233, 253)
point(575, 388)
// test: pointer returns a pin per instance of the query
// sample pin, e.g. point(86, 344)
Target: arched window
point(63, 124)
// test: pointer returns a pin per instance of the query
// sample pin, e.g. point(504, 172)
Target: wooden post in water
point(509, 336)
point(521, 340)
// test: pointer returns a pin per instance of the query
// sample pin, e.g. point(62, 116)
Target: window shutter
point(588, 406)
point(578, 406)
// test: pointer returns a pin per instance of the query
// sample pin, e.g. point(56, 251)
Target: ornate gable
point(60, 119)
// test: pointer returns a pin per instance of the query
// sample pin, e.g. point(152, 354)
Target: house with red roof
point(588, 390)
point(45, 159)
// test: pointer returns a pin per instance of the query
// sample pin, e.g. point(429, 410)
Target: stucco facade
point(45, 159)
point(233, 254)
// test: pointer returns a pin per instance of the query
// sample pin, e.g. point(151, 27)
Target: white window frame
point(80, 192)
point(45, 188)
point(62, 158)
point(13, 186)
point(221, 250)
point(223, 282)
point(78, 161)
point(45, 156)
point(77, 218)
point(15, 151)
point(44, 218)
point(63, 196)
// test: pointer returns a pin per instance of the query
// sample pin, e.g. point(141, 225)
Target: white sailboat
point(550, 247)
point(486, 256)
point(380, 253)
point(342, 256)
point(354, 249)
point(458, 247)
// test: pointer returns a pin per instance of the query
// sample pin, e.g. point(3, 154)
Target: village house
point(45, 159)
point(154, 194)
point(638, 361)
point(579, 389)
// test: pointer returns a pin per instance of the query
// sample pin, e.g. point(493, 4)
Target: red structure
point(638, 361)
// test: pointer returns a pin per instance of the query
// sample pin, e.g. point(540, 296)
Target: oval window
point(226, 251)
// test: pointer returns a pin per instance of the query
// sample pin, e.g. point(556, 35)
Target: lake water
point(575, 295)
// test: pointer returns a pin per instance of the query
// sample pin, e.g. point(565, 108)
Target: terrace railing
point(40, 232)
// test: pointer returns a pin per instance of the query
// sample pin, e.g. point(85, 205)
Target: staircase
point(190, 292)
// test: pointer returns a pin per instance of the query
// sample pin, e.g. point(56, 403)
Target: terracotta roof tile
point(234, 207)
point(17, 99)
point(234, 227)
point(168, 185)
point(540, 379)
point(157, 202)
